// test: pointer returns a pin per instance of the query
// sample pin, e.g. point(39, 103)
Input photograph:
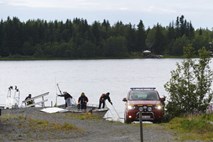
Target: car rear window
point(143, 95)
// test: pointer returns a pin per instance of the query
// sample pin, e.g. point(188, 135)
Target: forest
point(76, 39)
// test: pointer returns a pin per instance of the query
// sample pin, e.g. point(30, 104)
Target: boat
point(91, 108)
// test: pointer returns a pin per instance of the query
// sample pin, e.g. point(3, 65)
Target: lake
point(93, 77)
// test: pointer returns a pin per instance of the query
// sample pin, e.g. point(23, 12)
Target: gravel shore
point(23, 125)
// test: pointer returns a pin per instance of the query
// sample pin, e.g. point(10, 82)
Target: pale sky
point(151, 12)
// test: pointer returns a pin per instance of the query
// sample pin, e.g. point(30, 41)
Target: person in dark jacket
point(67, 98)
point(30, 100)
point(103, 98)
point(82, 101)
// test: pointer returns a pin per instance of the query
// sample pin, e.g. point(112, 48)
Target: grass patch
point(7, 117)
point(83, 116)
point(45, 125)
point(36, 124)
point(199, 127)
point(19, 127)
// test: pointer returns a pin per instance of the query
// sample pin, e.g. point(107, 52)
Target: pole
point(116, 112)
point(141, 125)
point(56, 99)
point(59, 88)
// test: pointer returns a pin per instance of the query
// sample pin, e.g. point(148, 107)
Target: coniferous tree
point(131, 39)
point(47, 37)
point(141, 37)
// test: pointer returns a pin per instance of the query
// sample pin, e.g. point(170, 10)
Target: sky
point(151, 12)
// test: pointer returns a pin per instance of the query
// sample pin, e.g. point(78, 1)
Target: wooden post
point(141, 124)
point(42, 101)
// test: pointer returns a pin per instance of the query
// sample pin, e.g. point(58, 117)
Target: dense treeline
point(77, 39)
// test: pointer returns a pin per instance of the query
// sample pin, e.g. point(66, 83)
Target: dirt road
point(88, 130)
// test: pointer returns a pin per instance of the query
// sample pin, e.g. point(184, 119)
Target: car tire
point(157, 121)
point(127, 121)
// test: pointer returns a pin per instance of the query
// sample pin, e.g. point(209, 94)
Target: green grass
point(37, 124)
point(83, 116)
point(199, 127)
point(43, 124)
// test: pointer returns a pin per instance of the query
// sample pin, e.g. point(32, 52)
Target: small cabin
point(146, 53)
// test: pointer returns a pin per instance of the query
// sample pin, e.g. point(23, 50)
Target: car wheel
point(127, 121)
point(157, 121)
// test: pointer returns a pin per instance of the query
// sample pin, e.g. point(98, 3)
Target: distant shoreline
point(55, 58)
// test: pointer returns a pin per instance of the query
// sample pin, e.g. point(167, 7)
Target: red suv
point(148, 101)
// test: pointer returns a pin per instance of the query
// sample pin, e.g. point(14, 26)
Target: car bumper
point(133, 115)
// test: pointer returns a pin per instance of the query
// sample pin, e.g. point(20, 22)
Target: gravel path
point(91, 130)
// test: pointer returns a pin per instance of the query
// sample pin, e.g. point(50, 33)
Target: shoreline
point(16, 126)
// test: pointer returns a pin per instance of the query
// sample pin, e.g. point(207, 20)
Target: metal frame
point(143, 88)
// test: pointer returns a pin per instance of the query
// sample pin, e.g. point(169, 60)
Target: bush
point(190, 85)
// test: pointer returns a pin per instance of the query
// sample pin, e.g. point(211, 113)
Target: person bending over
point(67, 98)
point(103, 98)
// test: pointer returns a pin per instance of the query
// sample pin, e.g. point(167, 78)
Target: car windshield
point(143, 95)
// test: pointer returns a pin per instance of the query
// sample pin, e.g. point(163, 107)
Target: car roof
point(143, 88)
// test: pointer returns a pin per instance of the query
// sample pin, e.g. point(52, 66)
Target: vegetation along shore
point(76, 39)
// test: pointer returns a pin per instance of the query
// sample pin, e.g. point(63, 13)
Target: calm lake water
point(93, 77)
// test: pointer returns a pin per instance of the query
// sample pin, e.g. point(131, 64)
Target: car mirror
point(124, 99)
point(163, 99)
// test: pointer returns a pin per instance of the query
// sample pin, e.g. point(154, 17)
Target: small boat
point(90, 109)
